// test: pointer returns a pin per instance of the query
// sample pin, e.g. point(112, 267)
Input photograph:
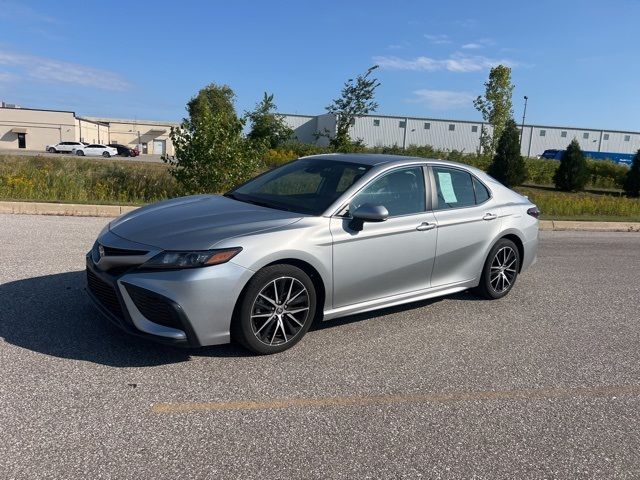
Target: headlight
point(200, 258)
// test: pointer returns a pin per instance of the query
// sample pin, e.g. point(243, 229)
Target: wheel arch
point(519, 244)
point(306, 267)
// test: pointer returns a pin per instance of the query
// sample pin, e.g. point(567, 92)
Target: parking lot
point(544, 383)
point(32, 153)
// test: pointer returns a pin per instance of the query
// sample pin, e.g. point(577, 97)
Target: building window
point(352, 121)
point(427, 126)
point(585, 135)
point(627, 138)
point(563, 134)
point(376, 123)
point(543, 133)
point(402, 124)
point(605, 136)
point(452, 127)
point(474, 129)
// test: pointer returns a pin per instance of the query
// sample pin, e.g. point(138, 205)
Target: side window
point(482, 194)
point(401, 191)
point(454, 188)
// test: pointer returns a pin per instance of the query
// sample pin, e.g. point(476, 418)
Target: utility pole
point(524, 115)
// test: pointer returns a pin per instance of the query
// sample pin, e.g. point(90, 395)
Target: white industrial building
point(461, 135)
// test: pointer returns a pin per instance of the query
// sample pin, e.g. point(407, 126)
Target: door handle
point(425, 226)
point(490, 216)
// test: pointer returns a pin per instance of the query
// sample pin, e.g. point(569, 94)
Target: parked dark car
point(125, 151)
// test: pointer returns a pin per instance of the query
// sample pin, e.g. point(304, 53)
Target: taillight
point(534, 212)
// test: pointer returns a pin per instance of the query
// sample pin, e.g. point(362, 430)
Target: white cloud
point(457, 62)
point(443, 99)
point(471, 46)
point(50, 70)
point(438, 39)
point(7, 77)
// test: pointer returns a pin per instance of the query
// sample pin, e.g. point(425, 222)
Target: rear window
point(458, 188)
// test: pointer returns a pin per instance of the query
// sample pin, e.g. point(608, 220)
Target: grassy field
point(127, 182)
point(589, 206)
point(82, 180)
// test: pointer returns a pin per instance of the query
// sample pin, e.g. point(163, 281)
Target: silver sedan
point(318, 238)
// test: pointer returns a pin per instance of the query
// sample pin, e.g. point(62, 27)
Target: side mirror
point(368, 212)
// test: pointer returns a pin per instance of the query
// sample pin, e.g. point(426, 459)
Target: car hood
point(197, 222)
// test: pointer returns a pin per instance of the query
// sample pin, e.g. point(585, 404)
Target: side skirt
point(399, 299)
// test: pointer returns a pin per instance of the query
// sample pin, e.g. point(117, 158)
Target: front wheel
point(80, 153)
point(500, 270)
point(106, 154)
point(278, 306)
point(52, 150)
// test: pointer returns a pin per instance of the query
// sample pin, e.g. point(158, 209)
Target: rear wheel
point(500, 270)
point(277, 309)
point(106, 154)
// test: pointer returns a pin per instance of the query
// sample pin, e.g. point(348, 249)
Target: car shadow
point(53, 315)
point(466, 295)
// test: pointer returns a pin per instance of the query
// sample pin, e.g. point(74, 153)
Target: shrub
point(632, 178)
point(606, 174)
point(541, 171)
point(275, 158)
point(507, 166)
point(572, 174)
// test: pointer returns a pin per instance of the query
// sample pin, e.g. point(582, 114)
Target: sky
point(577, 61)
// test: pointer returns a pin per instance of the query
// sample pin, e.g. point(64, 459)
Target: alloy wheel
point(503, 270)
point(280, 311)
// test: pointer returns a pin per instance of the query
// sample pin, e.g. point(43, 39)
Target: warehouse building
point(34, 129)
point(461, 135)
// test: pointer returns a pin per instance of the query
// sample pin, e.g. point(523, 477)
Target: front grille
point(105, 293)
point(122, 252)
point(154, 307)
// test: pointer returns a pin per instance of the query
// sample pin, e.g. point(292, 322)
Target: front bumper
point(191, 307)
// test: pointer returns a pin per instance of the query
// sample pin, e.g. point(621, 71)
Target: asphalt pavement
point(544, 383)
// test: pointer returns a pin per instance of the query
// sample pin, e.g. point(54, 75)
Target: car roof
point(375, 159)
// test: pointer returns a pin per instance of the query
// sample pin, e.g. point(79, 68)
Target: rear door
point(468, 221)
point(93, 149)
point(390, 257)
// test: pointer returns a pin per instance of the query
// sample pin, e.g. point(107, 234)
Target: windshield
point(306, 186)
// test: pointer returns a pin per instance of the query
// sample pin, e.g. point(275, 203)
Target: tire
point(106, 154)
point(258, 327)
point(80, 153)
point(52, 150)
point(500, 270)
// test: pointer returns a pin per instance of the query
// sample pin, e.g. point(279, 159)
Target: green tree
point(267, 127)
point(632, 178)
point(496, 106)
point(508, 165)
point(211, 153)
point(572, 174)
point(213, 99)
point(356, 99)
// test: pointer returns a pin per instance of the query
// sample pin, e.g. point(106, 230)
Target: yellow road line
point(368, 400)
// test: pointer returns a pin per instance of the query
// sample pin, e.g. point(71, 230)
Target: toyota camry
point(319, 238)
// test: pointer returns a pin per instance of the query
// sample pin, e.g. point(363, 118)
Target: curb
point(66, 209)
point(82, 210)
point(576, 226)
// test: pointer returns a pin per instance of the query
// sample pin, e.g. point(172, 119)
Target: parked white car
point(95, 150)
point(63, 147)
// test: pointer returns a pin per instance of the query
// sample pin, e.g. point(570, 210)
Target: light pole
point(524, 115)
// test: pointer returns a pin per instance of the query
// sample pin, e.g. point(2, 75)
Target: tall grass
point(84, 180)
point(561, 204)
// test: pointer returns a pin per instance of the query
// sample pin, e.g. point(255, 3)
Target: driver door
point(385, 258)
